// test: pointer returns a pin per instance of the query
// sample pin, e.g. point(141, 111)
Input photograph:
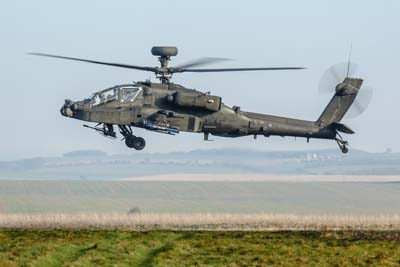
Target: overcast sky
point(314, 34)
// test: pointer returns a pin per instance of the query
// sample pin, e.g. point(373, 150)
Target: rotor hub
point(164, 54)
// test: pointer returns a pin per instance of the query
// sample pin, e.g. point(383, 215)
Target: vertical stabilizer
point(340, 103)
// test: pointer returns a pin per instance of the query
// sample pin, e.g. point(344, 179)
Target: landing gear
point(342, 143)
point(131, 140)
point(107, 130)
point(137, 143)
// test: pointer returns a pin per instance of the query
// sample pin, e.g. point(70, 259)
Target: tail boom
point(327, 126)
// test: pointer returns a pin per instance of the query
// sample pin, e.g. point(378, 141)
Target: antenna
point(348, 63)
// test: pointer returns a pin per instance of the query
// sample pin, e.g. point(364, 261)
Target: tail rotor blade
point(334, 75)
point(361, 102)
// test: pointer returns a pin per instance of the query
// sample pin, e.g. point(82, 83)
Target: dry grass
point(199, 221)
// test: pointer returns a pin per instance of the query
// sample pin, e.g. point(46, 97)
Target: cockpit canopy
point(122, 93)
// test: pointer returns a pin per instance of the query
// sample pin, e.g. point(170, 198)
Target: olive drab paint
point(169, 108)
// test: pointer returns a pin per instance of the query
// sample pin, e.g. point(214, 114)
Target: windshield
point(129, 94)
point(104, 96)
point(123, 93)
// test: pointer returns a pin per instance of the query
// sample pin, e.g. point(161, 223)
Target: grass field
point(183, 223)
point(341, 198)
point(198, 248)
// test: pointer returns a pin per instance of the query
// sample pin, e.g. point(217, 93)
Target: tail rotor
point(335, 75)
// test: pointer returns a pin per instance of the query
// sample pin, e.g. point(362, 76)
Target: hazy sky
point(315, 34)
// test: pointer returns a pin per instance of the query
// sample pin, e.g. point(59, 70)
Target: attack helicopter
point(170, 108)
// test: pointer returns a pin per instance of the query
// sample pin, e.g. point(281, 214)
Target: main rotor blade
point(153, 69)
point(200, 62)
point(239, 69)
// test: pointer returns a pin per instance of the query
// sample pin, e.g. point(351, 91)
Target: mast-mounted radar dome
point(164, 51)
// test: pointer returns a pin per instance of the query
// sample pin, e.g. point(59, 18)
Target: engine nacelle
point(208, 102)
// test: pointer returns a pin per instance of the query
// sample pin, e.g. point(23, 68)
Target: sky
point(314, 34)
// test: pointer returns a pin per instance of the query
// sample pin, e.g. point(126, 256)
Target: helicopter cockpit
point(122, 93)
point(130, 93)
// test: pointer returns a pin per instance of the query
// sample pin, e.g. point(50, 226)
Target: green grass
point(167, 248)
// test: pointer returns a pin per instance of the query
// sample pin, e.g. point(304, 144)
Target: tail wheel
point(341, 143)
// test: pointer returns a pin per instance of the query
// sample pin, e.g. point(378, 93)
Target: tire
point(130, 141)
point(139, 143)
point(345, 150)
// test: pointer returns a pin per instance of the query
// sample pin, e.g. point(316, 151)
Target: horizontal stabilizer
point(341, 128)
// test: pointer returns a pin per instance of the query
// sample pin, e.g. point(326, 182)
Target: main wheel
point(345, 150)
point(130, 141)
point(139, 143)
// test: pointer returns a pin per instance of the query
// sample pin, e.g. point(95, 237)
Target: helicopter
point(170, 108)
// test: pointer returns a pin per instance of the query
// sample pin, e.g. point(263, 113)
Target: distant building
point(388, 150)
